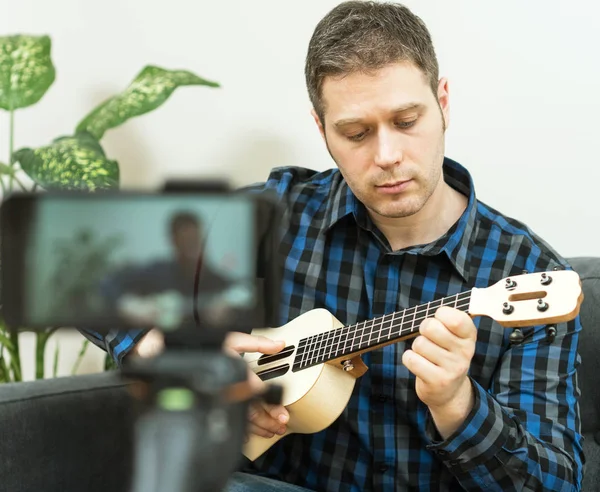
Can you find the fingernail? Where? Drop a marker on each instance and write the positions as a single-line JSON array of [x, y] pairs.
[[283, 418], [281, 431]]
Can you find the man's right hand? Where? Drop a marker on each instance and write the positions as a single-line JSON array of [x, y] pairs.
[[265, 420]]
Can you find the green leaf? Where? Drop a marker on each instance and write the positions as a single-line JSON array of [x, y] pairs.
[[6, 342], [6, 169], [70, 163], [152, 87], [26, 70], [56, 357], [82, 352]]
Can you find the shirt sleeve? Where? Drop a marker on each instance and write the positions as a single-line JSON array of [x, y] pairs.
[[117, 343], [523, 433]]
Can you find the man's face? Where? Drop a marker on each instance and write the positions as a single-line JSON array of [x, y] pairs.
[[385, 131], [186, 241]]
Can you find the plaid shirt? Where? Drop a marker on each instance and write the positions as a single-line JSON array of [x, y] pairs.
[[524, 430]]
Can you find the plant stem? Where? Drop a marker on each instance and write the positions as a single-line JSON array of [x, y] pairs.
[[11, 142], [15, 357], [40, 347], [84, 347], [23, 187], [4, 373], [56, 357], [40, 351]]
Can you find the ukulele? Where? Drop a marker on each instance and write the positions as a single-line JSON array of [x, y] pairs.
[[319, 365]]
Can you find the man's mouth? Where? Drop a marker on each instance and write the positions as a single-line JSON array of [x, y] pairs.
[[394, 187]]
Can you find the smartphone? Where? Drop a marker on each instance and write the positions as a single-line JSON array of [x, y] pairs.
[[125, 259]]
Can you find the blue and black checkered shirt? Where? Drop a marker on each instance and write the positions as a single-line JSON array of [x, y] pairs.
[[524, 430]]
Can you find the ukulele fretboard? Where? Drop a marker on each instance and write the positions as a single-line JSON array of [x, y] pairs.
[[361, 337]]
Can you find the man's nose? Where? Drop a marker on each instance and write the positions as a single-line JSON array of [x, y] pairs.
[[389, 148]]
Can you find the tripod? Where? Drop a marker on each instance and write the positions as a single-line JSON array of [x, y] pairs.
[[190, 433]]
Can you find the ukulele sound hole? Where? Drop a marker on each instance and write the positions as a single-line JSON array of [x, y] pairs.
[[266, 358], [275, 372]]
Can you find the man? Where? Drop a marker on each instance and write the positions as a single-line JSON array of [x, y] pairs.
[[396, 225], [161, 292]]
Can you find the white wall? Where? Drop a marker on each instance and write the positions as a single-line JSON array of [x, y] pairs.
[[524, 106]]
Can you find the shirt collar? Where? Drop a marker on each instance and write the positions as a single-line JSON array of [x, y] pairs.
[[456, 243]]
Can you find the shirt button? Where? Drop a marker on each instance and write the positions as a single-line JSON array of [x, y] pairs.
[[383, 398], [383, 467]]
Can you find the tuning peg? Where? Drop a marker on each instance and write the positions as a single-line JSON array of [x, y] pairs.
[[516, 336], [510, 284], [558, 267], [542, 306], [550, 333], [546, 279], [507, 308]]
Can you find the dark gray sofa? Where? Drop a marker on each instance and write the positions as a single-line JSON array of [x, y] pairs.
[[75, 434]]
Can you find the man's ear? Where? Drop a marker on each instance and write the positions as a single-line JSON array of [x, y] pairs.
[[444, 101], [318, 122]]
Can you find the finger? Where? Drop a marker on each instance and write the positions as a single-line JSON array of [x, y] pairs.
[[244, 342], [432, 352], [421, 367], [259, 416], [436, 331], [259, 431], [458, 322], [279, 413]]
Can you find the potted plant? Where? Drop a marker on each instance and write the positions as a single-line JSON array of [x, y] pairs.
[[69, 162]]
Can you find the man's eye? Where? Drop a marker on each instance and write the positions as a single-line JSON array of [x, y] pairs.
[[405, 124], [356, 137]]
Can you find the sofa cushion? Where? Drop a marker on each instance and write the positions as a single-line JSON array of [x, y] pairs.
[[589, 371], [589, 342], [69, 434]]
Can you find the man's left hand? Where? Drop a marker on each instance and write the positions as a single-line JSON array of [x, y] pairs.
[[440, 359]]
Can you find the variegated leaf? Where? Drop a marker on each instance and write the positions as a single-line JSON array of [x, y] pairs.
[[26, 70], [152, 87], [6, 169], [70, 163]]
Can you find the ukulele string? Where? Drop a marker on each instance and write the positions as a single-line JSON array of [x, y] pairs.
[[280, 355]]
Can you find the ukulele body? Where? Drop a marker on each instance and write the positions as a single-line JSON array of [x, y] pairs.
[[314, 397]]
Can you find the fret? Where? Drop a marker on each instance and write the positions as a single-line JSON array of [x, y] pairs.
[[366, 331], [327, 345], [402, 321], [363, 332], [311, 348], [353, 343], [385, 332], [300, 352], [336, 341], [371, 329], [316, 348], [322, 346], [412, 322], [306, 351]]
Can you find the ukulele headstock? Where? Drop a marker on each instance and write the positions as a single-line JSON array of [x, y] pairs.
[[530, 299]]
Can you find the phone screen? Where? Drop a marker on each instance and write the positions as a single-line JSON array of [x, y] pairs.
[[132, 260]]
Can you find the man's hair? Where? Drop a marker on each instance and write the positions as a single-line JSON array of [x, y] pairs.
[[182, 219], [363, 36]]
